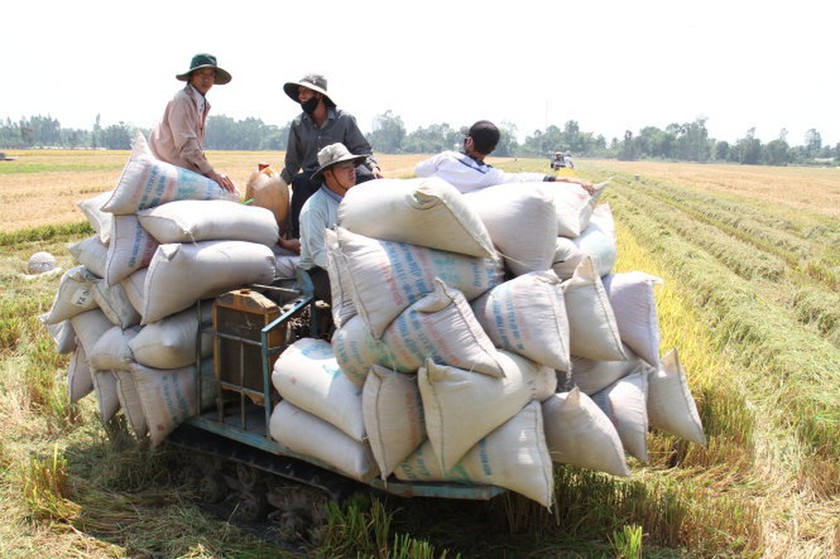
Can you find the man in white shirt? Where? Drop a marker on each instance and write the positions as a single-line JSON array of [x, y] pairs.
[[467, 170]]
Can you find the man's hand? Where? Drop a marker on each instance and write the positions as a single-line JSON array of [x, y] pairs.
[[222, 180], [588, 186], [377, 173]]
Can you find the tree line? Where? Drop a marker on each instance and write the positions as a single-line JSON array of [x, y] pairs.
[[688, 141]]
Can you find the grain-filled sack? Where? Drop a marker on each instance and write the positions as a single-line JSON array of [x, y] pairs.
[[393, 413], [307, 375], [130, 249], [92, 253], [170, 342], [513, 456], [266, 189], [427, 212], [386, 277], [168, 396], [462, 407], [440, 326], [341, 284], [112, 352], [130, 403], [135, 289], [633, 302], [114, 302], [79, 379], [99, 220], [625, 403], [107, 401], [597, 241], [181, 274], [522, 222], [671, 407], [527, 315], [191, 221], [593, 332], [579, 434], [574, 207], [593, 375], [62, 334], [75, 294], [89, 326], [147, 182], [305, 434]]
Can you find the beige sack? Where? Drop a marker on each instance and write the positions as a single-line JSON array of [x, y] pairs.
[[130, 403], [593, 375], [527, 315], [266, 189], [427, 212], [75, 294], [130, 249], [92, 253], [170, 343], [625, 403], [513, 456], [393, 413], [99, 220], [111, 352], [671, 407], [579, 434], [79, 375], [633, 302]]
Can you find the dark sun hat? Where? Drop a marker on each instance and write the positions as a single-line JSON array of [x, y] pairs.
[[334, 154], [205, 61], [315, 82]]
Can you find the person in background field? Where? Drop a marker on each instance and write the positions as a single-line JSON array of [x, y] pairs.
[[320, 124], [335, 176], [467, 170], [179, 138]]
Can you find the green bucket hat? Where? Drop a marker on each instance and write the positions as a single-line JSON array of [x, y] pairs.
[[332, 155], [315, 82], [205, 61]]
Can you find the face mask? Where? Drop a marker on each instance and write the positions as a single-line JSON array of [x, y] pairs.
[[310, 104]]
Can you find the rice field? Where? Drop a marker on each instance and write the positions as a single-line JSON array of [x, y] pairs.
[[750, 258]]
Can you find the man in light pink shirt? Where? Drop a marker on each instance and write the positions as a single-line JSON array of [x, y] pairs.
[[179, 137]]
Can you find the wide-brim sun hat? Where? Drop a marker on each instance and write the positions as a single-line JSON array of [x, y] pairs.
[[315, 82], [205, 60], [335, 154]]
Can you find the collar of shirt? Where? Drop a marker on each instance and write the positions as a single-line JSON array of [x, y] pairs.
[[202, 102], [331, 194]]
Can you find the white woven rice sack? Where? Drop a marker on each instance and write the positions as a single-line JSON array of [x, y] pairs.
[[135, 289], [574, 207], [593, 332], [92, 253], [305, 434], [633, 301], [147, 182], [440, 326], [73, 296], [89, 326], [306, 374], [168, 396], [427, 212], [579, 434], [567, 257], [386, 277], [170, 343], [181, 274], [62, 334], [592, 375], [115, 303], [521, 220], [527, 315], [341, 284], [107, 400], [99, 220], [513, 456], [190, 221], [393, 413], [130, 403], [671, 407], [625, 403], [111, 352], [462, 407], [597, 241], [79, 379], [130, 249]]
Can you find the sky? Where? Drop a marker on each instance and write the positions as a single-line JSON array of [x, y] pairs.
[[611, 65]]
